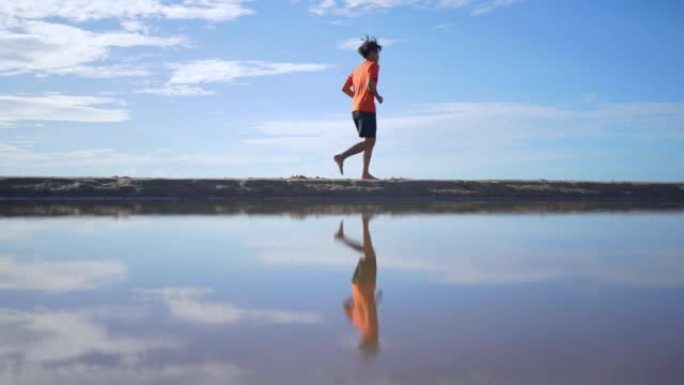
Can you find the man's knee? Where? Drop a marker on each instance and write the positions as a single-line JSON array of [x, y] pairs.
[[369, 142]]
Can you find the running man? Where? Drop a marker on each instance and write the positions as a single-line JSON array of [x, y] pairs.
[[361, 86], [361, 308]]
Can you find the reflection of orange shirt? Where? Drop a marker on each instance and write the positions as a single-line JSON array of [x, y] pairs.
[[363, 99], [363, 314]]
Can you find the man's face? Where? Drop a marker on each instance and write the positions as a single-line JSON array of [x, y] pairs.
[[374, 56]]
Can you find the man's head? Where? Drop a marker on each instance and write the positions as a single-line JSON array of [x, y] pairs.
[[370, 49]]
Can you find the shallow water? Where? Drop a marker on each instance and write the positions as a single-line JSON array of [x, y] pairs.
[[487, 296]]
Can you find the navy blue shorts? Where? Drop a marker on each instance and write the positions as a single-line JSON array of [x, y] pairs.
[[365, 123]]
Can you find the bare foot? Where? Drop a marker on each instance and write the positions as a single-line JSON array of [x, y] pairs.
[[340, 232], [340, 163], [369, 177]]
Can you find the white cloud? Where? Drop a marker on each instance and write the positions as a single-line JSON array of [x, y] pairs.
[[505, 254], [492, 140], [212, 10], [60, 276], [135, 26], [351, 7], [50, 336], [205, 373], [58, 107], [40, 347], [487, 7], [48, 48], [88, 10], [25, 230], [455, 3], [214, 70], [353, 44], [181, 90], [110, 162], [38, 36], [186, 304], [475, 139], [443, 26], [356, 7], [454, 125]]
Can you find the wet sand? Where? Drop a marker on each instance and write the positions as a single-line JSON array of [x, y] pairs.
[[124, 209], [304, 189]]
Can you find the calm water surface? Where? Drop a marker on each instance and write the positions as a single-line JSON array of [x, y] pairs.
[[349, 298]]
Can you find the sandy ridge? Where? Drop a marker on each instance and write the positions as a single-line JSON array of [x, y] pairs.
[[318, 189]]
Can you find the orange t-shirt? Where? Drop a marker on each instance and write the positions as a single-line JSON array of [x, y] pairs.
[[364, 314], [363, 99]]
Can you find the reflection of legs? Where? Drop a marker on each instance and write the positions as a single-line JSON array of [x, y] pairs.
[[367, 247], [361, 308], [339, 235], [368, 250]]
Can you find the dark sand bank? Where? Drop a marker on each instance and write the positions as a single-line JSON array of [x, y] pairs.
[[123, 209], [308, 190], [122, 197]]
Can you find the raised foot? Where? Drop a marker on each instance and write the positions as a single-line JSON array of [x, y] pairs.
[[340, 231], [340, 163]]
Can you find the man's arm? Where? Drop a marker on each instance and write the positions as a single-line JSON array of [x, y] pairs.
[[348, 87], [372, 86]]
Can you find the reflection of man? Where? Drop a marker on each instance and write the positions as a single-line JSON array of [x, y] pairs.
[[361, 307]]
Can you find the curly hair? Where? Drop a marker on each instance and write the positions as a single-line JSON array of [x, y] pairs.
[[370, 44]]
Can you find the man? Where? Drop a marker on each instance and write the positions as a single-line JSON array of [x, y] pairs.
[[361, 86], [361, 307]]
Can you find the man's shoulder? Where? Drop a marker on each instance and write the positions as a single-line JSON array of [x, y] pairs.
[[365, 67], [361, 66]]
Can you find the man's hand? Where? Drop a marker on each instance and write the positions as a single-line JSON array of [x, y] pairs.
[[372, 86], [348, 86], [348, 91]]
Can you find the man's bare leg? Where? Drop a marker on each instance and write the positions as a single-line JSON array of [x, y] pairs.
[[369, 251], [339, 235], [368, 153], [353, 150], [367, 246]]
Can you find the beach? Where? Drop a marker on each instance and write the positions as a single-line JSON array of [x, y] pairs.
[[303, 189]]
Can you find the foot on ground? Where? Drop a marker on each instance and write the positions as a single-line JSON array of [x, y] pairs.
[[369, 177]]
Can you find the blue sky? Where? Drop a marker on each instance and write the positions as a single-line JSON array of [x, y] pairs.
[[474, 89]]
